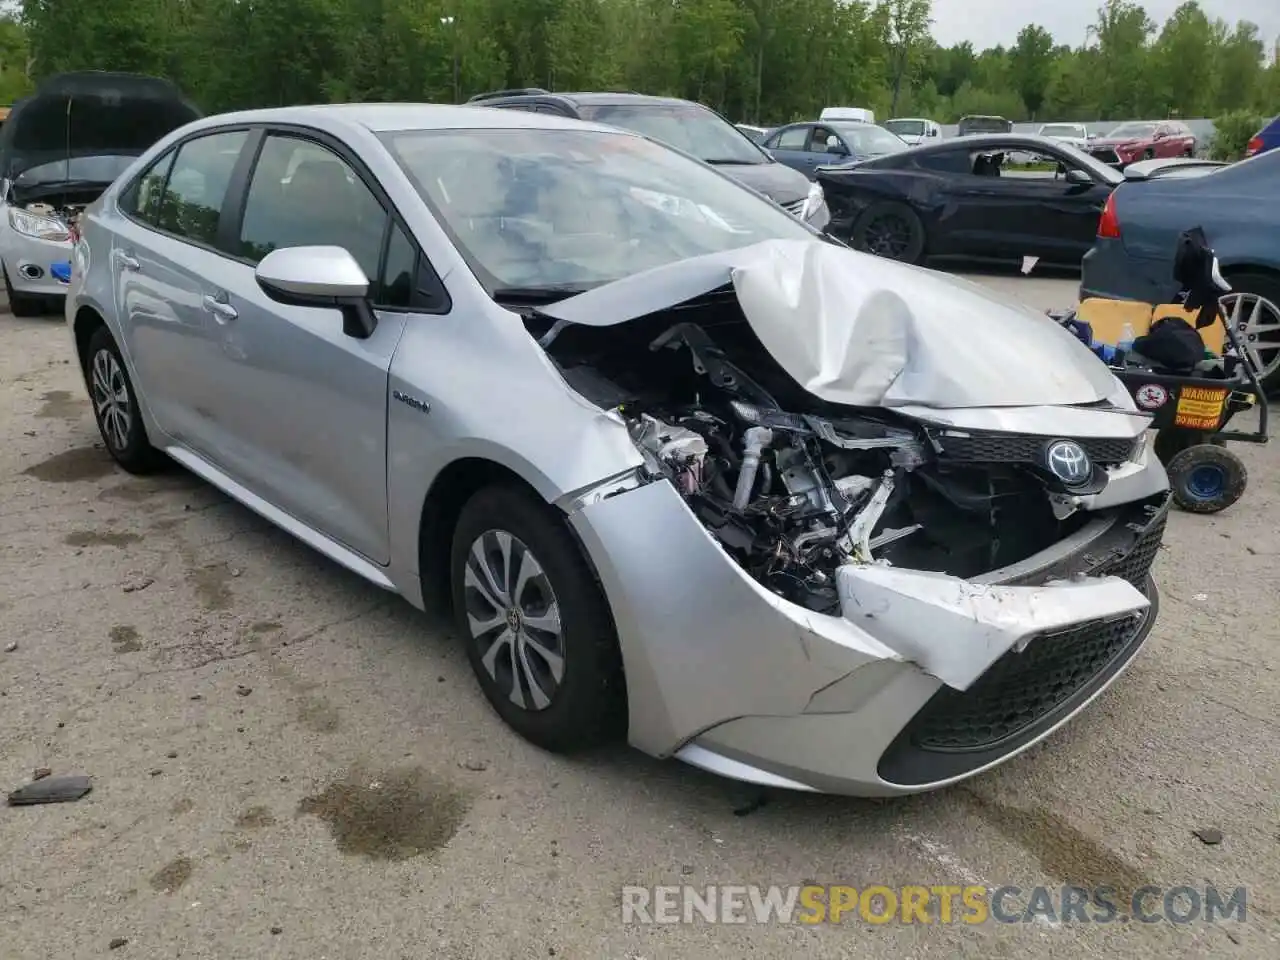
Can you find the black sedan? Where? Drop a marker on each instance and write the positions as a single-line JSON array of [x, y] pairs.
[[996, 197]]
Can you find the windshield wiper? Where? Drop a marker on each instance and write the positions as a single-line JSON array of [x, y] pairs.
[[721, 161], [548, 293]]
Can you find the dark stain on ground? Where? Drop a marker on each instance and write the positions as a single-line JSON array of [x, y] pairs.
[[61, 405], [124, 639], [167, 524], [172, 876], [99, 538], [389, 817], [1063, 852], [242, 846], [185, 805], [265, 626], [255, 818], [318, 714], [73, 466], [212, 585]]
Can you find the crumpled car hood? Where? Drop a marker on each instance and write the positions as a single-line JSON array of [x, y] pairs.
[[864, 331]]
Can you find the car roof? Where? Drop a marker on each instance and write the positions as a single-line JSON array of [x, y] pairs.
[[983, 141], [390, 117]]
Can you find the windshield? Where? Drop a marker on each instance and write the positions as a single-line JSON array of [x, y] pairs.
[[78, 169], [1131, 131], [868, 139], [571, 209], [906, 128], [1061, 130], [686, 126]]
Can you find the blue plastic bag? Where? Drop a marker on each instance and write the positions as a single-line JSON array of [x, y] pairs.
[[61, 271]]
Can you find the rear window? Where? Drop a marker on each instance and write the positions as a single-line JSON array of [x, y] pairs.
[[686, 126], [985, 125]]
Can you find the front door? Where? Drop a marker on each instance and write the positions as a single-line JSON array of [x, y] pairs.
[[162, 255], [311, 400], [790, 146]]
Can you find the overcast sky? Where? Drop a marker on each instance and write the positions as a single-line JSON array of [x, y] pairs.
[[985, 23]]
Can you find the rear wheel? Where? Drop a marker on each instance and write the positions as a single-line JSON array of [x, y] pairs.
[[1253, 310], [538, 630], [21, 305], [115, 406], [890, 230]]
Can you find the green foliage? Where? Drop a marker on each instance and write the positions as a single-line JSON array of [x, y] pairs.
[[1232, 133], [766, 61]]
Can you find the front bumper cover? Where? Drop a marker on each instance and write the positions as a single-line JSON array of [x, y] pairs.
[[730, 677]]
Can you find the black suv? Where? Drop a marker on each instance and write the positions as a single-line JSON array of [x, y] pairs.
[[691, 127]]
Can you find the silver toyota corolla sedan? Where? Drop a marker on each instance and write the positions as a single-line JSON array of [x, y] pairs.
[[684, 470]]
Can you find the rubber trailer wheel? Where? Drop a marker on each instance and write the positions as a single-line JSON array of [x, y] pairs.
[[1207, 478], [890, 230]]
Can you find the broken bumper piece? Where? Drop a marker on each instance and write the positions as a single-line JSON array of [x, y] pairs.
[[924, 680]]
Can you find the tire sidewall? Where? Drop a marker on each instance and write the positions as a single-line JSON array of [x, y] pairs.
[[589, 704], [915, 249]]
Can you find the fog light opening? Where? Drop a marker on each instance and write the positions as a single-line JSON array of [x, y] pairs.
[[30, 271]]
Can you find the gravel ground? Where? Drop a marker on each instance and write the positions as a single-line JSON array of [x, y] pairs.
[[289, 763]]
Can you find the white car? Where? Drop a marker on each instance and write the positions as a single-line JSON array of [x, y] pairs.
[[914, 130], [1076, 134], [59, 150]]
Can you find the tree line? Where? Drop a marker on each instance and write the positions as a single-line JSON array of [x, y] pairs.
[[765, 61]]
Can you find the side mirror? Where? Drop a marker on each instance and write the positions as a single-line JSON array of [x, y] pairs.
[[320, 277], [933, 132], [1079, 177]]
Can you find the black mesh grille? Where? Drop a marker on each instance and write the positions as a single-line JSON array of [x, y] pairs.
[[1020, 688], [1022, 448]]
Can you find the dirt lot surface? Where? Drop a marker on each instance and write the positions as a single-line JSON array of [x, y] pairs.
[[289, 763]]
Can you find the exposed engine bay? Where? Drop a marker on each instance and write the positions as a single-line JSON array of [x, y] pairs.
[[792, 486]]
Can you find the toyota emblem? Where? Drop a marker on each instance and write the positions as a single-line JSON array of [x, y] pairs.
[[1068, 462]]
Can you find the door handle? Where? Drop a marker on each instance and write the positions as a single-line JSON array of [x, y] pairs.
[[127, 261], [220, 308]]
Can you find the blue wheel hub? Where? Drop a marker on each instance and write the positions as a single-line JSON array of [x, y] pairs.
[[1208, 481]]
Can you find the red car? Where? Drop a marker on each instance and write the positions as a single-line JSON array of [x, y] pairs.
[[1143, 140]]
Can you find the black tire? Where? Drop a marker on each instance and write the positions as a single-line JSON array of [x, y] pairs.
[[891, 230], [1267, 286], [105, 373], [21, 305], [1207, 478], [586, 706]]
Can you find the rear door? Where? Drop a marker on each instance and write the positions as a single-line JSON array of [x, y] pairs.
[[311, 400], [163, 253], [790, 146]]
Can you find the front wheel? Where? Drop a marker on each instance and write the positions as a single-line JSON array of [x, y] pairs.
[[538, 630], [1253, 309], [1207, 478], [890, 230]]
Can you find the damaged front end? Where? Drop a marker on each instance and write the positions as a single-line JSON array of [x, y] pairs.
[[993, 580]]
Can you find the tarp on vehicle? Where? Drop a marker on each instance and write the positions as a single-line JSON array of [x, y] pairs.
[[90, 113]]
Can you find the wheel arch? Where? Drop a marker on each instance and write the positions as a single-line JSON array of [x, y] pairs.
[[452, 487], [86, 323]]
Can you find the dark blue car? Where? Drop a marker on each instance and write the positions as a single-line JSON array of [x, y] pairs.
[[807, 146], [1268, 138], [1237, 205]]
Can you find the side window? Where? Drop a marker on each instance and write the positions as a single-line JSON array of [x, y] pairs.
[[946, 161], [547, 108], [793, 138], [527, 108], [302, 194], [192, 200], [1031, 165], [399, 272], [142, 199]]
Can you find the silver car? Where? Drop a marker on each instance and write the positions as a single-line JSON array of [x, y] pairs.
[[684, 470]]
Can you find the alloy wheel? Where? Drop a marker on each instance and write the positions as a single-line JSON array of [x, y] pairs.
[[1257, 322], [111, 402], [887, 236], [514, 619]]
